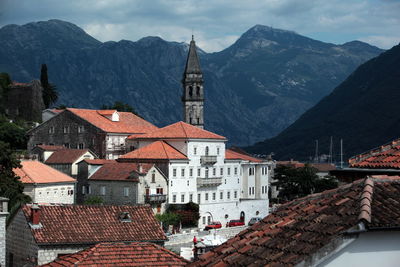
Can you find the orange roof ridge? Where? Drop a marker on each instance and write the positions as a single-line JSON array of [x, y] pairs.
[[366, 200], [156, 150]]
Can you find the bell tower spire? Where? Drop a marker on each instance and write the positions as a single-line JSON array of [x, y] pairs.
[[193, 92]]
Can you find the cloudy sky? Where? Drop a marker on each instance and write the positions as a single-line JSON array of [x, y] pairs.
[[216, 24]]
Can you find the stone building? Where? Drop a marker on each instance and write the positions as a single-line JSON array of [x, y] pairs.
[[25, 101], [101, 131], [43, 152], [193, 91], [121, 183], [3, 217], [38, 234], [66, 160], [45, 184]]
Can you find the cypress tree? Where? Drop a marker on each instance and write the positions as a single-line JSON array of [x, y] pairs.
[[50, 94]]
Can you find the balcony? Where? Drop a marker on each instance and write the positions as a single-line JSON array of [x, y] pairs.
[[208, 160], [155, 199], [209, 182]]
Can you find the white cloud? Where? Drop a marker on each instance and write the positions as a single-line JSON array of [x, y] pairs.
[[382, 41]]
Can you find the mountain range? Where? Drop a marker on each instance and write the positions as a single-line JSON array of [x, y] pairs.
[[363, 111], [254, 89]]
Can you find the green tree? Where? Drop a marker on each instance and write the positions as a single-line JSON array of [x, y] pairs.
[[50, 94], [94, 200], [168, 218], [121, 106], [5, 81], [10, 185], [298, 182], [13, 134]]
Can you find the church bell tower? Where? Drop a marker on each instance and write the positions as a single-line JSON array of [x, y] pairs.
[[193, 92]]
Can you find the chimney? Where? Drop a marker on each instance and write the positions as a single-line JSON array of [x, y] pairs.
[[140, 168], [35, 214]]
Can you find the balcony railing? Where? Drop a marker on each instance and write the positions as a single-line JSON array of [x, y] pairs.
[[151, 199], [208, 182], [208, 160]]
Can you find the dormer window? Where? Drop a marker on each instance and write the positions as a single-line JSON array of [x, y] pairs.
[[112, 115], [125, 217], [81, 129]]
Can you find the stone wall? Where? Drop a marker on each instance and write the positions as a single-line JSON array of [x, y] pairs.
[[49, 254], [3, 239], [21, 245], [114, 192], [92, 137], [25, 101]]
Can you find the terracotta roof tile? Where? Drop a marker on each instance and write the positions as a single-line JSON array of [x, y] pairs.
[[76, 224], [128, 122], [297, 229], [120, 171], [230, 154], [39, 173], [66, 156], [50, 147], [98, 161], [179, 130], [384, 157], [157, 150], [121, 254]]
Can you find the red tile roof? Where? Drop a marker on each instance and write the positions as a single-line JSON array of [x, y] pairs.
[[120, 171], [98, 161], [384, 157], [35, 172], [128, 122], [121, 254], [66, 156], [230, 154], [159, 150], [298, 229], [50, 147], [179, 130], [75, 224]]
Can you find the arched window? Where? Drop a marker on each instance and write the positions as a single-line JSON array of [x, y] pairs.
[[207, 150], [190, 90], [198, 90], [190, 120]]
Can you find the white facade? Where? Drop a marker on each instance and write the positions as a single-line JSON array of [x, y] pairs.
[[63, 193], [224, 189], [115, 145], [369, 249]]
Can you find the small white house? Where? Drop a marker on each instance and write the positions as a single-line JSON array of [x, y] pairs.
[[45, 184]]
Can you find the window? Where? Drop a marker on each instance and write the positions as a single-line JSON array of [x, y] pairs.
[[126, 191], [66, 145], [198, 90], [206, 174], [253, 190], [235, 170], [174, 172], [174, 198], [249, 190], [221, 195], [198, 172], [214, 171], [190, 197], [195, 150], [238, 181], [207, 150], [229, 171], [183, 198], [228, 195], [83, 189], [235, 194], [251, 171], [217, 150], [214, 196], [206, 198], [159, 191], [191, 172], [51, 130], [153, 177], [81, 146], [204, 219], [81, 129], [188, 183], [66, 129], [102, 190], [221, 171], [198, 198], [171, 184], [183, 172], [190, 90]]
